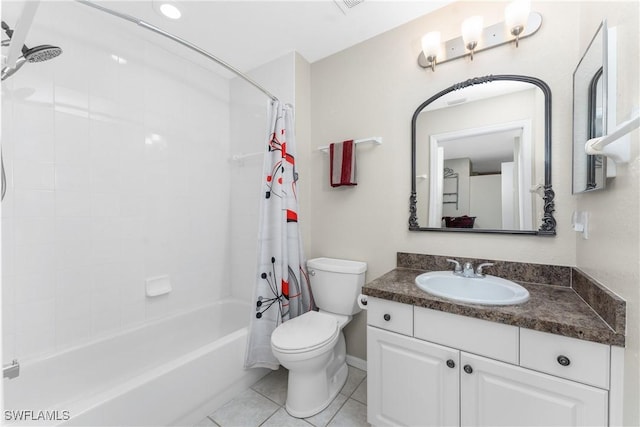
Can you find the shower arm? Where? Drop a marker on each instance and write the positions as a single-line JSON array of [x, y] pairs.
[[181, 41]]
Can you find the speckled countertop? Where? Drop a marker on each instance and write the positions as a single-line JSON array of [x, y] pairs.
[[555, 309]]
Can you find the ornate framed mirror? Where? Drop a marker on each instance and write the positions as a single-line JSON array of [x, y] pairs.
[[481, 158]]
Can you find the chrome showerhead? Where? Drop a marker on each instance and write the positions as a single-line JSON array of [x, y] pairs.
[[41, 53]]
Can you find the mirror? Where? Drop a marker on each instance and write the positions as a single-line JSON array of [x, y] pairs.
[[590, 113], [481, 158]]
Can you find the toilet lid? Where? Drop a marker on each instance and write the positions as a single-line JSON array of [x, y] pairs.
[[305, 332]]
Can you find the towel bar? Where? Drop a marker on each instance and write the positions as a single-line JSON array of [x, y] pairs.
[[618, 154], [377, 140]]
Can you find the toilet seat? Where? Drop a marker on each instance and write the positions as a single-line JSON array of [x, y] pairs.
[[305, 333]]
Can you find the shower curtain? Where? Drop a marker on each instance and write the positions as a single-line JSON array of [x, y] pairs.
[[282, 284]]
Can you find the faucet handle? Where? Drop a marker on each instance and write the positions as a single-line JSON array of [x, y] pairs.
[[481, 266], [457, 268]]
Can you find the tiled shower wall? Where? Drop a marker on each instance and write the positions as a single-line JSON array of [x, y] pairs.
[[116, 155]]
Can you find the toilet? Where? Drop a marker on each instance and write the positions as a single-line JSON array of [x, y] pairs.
[[312, 346]]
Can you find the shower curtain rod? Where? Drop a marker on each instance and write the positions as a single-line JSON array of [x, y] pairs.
[[181, 41]]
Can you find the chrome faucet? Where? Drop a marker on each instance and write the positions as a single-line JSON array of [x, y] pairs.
[[467, 270]]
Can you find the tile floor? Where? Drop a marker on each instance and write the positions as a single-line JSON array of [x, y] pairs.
[[263, 405]]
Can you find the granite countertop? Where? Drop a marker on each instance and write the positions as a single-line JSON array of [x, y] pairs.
[[554, 309]]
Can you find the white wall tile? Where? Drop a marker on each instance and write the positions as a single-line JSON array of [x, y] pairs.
[[33, 132], [38, 258], [34, 203], [34, 316], [72, 228], [105, 204], [34, 230], [73, 176], [31, 175], [117, 172], [34, 287], [71, 138], [73, 320], [105, 312], [35, 343], [73, 204], [72, 254], [73, 282]]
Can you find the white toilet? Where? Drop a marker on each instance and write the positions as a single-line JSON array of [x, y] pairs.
[[311, 346]]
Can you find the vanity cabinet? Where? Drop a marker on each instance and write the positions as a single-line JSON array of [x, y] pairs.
[[411, 382], [494, 393], [451, 370]]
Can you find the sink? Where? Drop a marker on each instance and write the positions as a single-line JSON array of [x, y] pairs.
[[488, 290]]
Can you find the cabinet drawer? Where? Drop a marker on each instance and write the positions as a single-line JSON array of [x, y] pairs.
[[491, 339], [571, 358], [390, 315]]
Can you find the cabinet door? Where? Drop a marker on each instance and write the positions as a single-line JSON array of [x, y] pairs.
[[499, 394], [409, 382]]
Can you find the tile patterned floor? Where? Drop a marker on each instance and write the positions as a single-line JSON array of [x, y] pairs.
[[263, 405]]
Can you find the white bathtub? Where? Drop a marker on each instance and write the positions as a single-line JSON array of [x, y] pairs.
[[171, 372]]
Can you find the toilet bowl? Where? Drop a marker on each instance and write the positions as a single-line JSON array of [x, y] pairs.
[[312, 346]]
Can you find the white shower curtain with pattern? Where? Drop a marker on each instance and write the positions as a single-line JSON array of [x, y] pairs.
[[282, 284]]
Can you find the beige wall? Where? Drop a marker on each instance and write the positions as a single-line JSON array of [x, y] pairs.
[[373, 88], [303, 141], [612, 252]]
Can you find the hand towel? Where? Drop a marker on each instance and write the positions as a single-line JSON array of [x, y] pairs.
[[342, 163]]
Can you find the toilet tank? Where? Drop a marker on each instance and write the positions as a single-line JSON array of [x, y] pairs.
[[336, 284]]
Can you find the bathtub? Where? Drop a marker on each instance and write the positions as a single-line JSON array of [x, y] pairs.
[[174, 371]]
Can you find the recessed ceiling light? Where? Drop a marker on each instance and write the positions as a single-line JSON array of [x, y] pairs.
[[167, 9]]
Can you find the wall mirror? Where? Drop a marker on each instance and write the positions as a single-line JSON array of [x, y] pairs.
[[481, 158], [590, 113]]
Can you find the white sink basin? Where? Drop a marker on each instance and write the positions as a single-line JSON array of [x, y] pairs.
[[489, 290]]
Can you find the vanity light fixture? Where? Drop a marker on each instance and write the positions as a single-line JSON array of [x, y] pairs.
[[471, 32], [431, 47], [519, 23]]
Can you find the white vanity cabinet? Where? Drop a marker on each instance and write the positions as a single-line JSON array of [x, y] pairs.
[[411, 382], [453, 370], [494, 393]]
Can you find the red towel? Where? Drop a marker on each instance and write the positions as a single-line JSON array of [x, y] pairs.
[[342, 163]]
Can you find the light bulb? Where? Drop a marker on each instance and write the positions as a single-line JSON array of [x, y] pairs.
[[471, 32], [431, 47], [516, 16]]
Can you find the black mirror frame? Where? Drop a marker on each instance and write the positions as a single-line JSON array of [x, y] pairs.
[[548, 226]]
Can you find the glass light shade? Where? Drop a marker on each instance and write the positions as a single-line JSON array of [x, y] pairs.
[[516, 14], [472, 30], [431, 44]]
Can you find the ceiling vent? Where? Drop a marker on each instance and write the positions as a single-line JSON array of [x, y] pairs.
[[346, 5]]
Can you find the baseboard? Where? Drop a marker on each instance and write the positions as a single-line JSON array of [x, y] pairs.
[[356, 362]]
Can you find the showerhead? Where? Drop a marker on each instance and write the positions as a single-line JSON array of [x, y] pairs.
[[41, 53]]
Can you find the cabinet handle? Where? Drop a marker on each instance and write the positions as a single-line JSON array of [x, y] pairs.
[[468, 369], [387, 317], [451, 363], [564, 360]]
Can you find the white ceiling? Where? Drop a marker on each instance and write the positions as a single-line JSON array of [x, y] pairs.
[[247, 34]]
